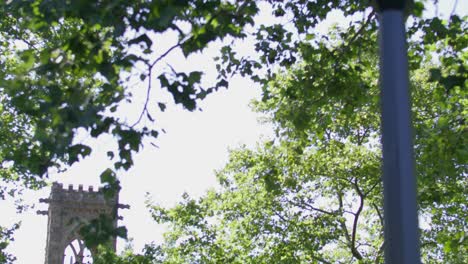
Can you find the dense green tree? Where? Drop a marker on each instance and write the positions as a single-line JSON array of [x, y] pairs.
[[311, 195], [67, 66], [314, 193]]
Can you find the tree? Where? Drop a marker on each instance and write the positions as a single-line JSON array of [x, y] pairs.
[[6, 237], [313, 195], [68, 66], [289, 201]]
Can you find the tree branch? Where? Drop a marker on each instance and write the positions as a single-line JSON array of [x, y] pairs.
[[189, 36], [162, 56], [178, 44], [454, 8], [379, 253], [362, 136], [372, 188], [150, 70], [280, 216], [148, 93], [321, 259], [378, 213], [341, 221], [354, 250], [307, 206], [356, 35]]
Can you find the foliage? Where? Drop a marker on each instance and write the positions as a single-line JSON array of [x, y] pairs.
[[98, 231], [279, 206], [106, 256], [313, 194], [66, 67], [6, 237]]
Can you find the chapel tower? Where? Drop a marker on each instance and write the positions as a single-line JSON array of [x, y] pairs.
[[69, 210]]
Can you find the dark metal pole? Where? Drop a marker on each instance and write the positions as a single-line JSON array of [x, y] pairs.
[[400, 210]]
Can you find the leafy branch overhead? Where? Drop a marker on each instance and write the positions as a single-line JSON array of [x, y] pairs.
[[313, 193], [67, 67], [63, 65]]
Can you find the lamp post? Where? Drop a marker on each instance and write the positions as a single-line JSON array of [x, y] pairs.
[[400, 210]]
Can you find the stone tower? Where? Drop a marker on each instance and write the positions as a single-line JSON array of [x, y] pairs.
[[70, 209]]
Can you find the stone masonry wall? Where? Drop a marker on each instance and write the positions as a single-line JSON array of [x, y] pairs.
[[69, 209]]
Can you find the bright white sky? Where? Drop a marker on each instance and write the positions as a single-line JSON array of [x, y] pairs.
[[195, 145]]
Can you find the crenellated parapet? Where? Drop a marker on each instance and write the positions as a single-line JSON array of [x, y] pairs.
[[79, 197]]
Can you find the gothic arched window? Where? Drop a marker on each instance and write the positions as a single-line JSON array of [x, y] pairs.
[[77, 253]]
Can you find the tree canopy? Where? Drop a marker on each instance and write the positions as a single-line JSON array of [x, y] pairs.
[[67, 66], [313, 193]]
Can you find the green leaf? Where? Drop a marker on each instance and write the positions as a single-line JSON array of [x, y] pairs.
[[142, 38], [162, 106], [435, 75]]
